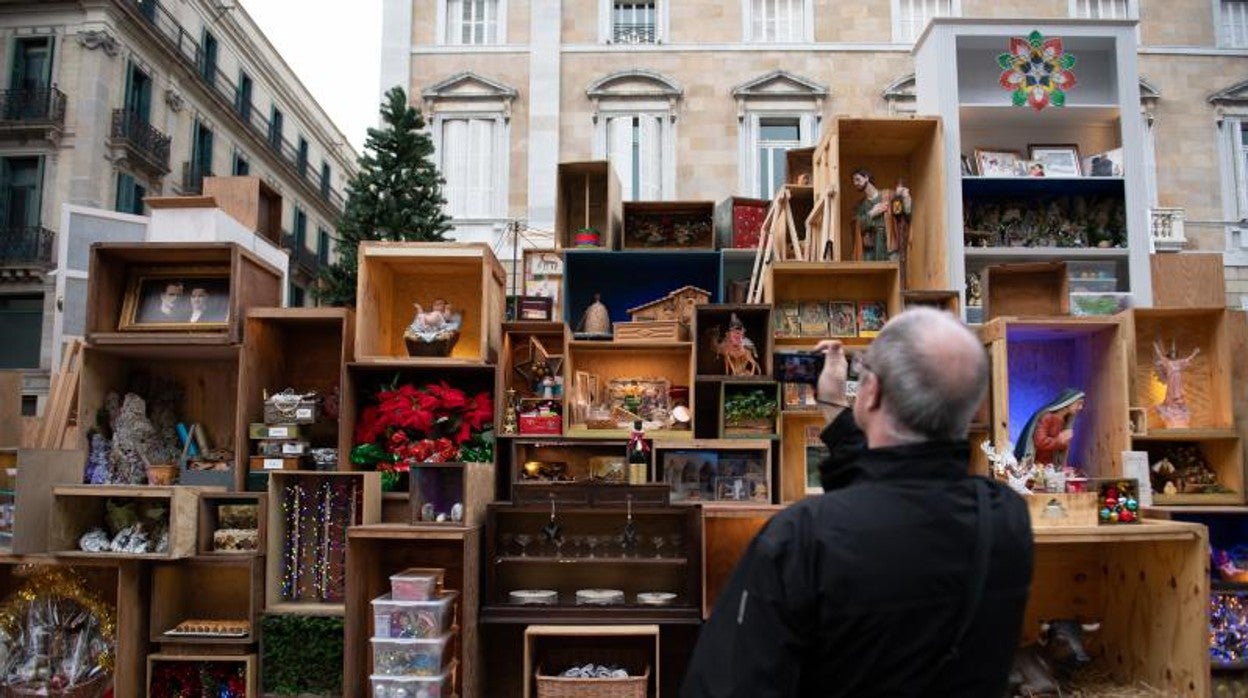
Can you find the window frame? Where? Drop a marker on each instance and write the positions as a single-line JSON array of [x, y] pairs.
[[1220, 34], [298, 232], [807, 30], [243, 92], [277, 124], [1133, 9], [443, 31], [809, 121], [135, 196], [322, 245], [501, 167], [899, 35], [606, 23]]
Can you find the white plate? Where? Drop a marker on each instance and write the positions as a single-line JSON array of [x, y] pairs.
[[655, 598]]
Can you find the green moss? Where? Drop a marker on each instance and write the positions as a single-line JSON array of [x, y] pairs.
[[301, 654]]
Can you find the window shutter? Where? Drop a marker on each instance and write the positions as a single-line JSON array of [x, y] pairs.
[[651, 158], [808, 129], [482, 133], [620, 153], [454, 21], [1235, 23], [453, 164]]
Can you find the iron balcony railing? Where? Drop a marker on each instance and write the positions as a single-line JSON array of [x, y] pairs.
[[193, 178], [37, 106], [300, 255], [633, 33], [26, 246], [188, 49], [131, 128]]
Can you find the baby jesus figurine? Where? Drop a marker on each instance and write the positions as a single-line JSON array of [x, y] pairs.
[[433, 333]]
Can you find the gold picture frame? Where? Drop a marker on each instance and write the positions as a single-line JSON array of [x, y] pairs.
[[181, 299]]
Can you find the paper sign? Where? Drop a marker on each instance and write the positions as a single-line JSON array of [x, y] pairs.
[[274, 463], [278, 432], [1135, 465]]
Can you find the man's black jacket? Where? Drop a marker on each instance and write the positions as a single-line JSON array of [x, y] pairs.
[[860, 591]]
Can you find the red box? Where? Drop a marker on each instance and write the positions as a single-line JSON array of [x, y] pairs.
[[747, 222], [544, 417]]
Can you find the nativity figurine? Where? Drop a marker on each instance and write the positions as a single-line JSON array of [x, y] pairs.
[[435, 332], [737, 351], [1046, 438], [881, 219], [1169, 368]]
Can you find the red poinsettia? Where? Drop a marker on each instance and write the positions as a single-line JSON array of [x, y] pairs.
[[435, 423]]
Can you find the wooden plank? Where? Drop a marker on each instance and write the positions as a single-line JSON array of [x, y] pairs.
[[37, 472], [1237, 339], [1188, 280], [133, 590], [10, 409]]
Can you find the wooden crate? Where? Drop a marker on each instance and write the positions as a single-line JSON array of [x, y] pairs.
[[1032, 289], [250, 667], [1148, 586], [713, 318], [799, 166], [587, 195], [122, 584], [208, 376], [209, 516], [250, 201], [376, 552], [1062, 510], [739, 222], [442, 485], [726, 532], [253, 283], [577, 458], [538, 639], [362, 380], [395, 275], [78, 508], [729, 388], [909, 148], [1206, 381], [794, 282], [632, 278], [301, 348], [667, 215], [1034, 360], [672, 466], [1221, 448], [368, 513], [799, 431], [948, 301], [219, 588], [672, 361], [1188, 280], [38, 471]]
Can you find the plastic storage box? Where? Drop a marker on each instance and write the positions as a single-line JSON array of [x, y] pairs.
[[1092, 276], [411, 657], [439, 686], [416, 584], [413, 619]]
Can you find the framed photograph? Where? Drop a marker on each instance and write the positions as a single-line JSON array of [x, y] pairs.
[[543, 277], [1107, 164], [181, 299], [996, 163], [968, 166], [691, 474], [841, 319], [1057, 160]]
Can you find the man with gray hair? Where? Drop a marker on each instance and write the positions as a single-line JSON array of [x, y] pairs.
[[908, 576]]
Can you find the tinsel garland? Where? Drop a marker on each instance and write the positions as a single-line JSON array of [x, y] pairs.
[[187, 679], [48, 582], [1228, 628]]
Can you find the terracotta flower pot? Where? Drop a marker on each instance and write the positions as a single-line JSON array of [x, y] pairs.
[[164, 474]]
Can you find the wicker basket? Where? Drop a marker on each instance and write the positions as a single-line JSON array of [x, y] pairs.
[[289, 407], [556, 686]]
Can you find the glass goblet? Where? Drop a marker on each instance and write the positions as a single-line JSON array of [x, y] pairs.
[[505, 543], [657, 542], [524, 540], [592, 542]]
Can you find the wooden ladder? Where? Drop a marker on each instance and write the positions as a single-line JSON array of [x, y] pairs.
[[62, 398]]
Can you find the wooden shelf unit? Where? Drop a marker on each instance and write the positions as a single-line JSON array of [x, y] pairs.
[[206, 588], [727, 531], [306, 349], [1030, 289], [517, 349], [588, 195], [788, 282], [395, 275], [716, 316], [893, 149], [378, 551], [1206, 382], [1033, 360], [253, 283], [79, 508], [574, 454], [673, 361], [209, 503]]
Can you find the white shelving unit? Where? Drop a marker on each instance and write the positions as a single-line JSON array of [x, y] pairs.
[[1102, 113]]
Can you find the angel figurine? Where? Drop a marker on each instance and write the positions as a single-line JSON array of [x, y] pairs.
[[1169, 368]]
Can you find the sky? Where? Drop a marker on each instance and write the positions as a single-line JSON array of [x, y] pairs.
[[335, 49]]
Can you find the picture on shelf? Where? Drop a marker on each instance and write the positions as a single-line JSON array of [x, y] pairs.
[[799, 396], [1107, 164], [816, 452], [871, 318], [1057, 160], [691, 474], [814, 319], [787, 319], [841, 319], [997, 163], [195, 298], [968, 166], [535, 308]]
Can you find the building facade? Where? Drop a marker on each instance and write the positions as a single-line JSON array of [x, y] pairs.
[[698, 100], [107, 102]]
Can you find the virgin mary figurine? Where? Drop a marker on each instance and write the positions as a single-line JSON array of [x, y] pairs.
[[1047, 435]]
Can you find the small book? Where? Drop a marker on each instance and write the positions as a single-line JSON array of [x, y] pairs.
[[871, 318], [842, 319], [814, 319], [799, 396], [785, 319]]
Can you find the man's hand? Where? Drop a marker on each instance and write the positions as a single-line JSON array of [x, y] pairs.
[[834, 378]]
